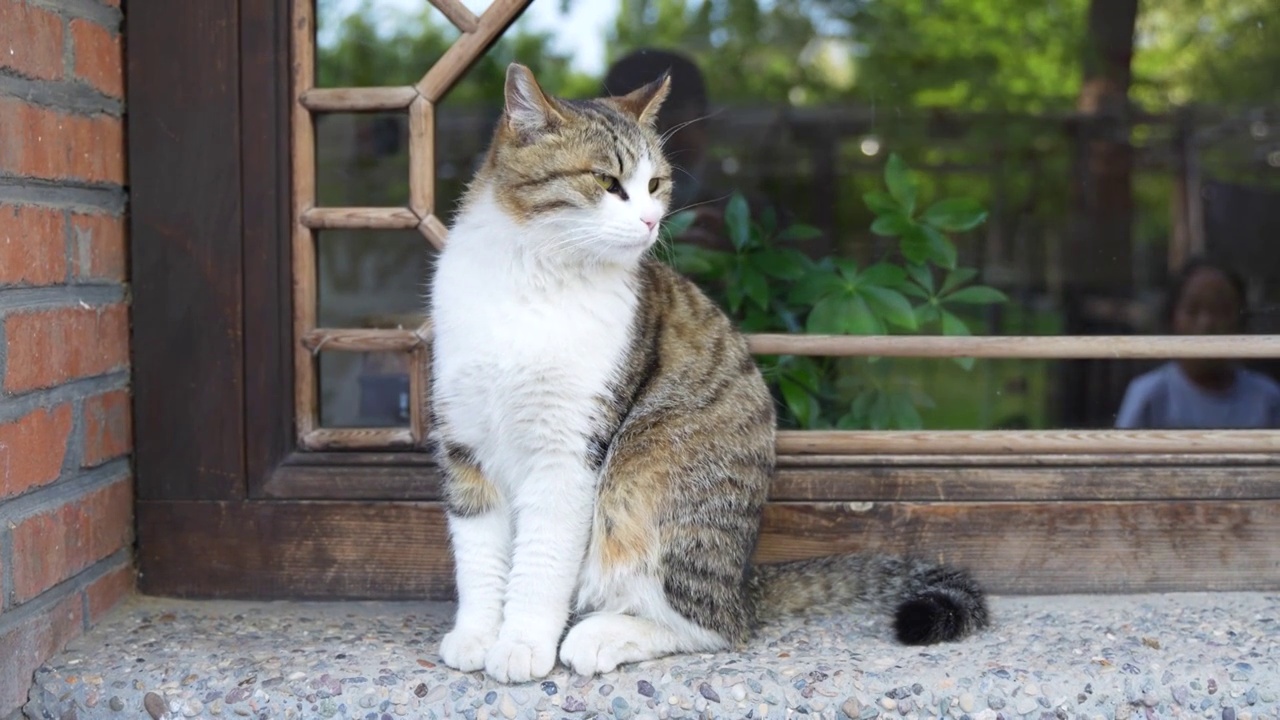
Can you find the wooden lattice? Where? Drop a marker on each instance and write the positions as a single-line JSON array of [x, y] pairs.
[[419, 102]]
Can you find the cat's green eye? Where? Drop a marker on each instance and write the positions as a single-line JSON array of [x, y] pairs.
[[653, 185], [609, 183]]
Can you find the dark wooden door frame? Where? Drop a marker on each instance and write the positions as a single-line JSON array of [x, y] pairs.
[[225, 501], [228, 507]]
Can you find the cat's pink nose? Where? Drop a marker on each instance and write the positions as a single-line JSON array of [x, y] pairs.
[[649, 223]]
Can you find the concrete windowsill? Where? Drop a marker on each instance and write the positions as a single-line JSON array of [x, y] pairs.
[[1143, 656]]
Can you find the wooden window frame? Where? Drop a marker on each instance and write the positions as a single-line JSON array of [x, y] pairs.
[[238, 497]]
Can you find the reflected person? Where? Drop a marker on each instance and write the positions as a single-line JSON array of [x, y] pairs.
[[683, 122], [1206, 299], [681, 119]]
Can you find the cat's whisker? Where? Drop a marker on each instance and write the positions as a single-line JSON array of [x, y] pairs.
[[662, 139], [686, 172], [697, 204]]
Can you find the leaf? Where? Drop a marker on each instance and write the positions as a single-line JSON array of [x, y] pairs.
[[859, 319], [922, 275], [676, 224], [734, 293], [903, 414], [954, 326], [848, 270], [955, 214], [756, 319], [884, 275], [915, 245], [860, 408], [849, 421], [826, 318], [913, 289], [941, 250], [878, 413], [755, 285], [881, 202], [805, 371], [768, 220], [976, 295], [738, 221], [956, 278], [802, 404], [891, 224], [813, 286], [925, 314], [695, 260], [843, 314], [689, 264], [799, 231], [901, 185], [785, 264], [890, 305]]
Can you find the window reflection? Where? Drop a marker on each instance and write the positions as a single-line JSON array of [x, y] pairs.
[[1207, 298], [1110, 142]]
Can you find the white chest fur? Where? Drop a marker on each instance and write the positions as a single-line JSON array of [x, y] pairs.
[[523, 349]]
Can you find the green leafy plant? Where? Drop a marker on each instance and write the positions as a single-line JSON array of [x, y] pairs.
[[768, 285]]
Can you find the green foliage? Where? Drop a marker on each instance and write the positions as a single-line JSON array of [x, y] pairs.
[[768, 285], [1207, 52]]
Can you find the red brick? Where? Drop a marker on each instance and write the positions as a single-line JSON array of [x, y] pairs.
[[98, 57], [32, 449], [43, 143], [99, 249], [108, 430], [33, 247], [26, 646], [30, 40], [107, 591], [50, 347], [53, 546]]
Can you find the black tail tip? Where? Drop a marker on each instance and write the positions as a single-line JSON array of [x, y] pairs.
[[936, 616]]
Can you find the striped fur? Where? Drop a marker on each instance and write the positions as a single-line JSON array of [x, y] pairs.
[[608, 440]]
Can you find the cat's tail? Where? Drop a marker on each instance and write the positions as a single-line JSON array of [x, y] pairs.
[[930, 603]]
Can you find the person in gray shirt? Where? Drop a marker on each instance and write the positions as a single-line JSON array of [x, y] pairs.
[[1205, 393]]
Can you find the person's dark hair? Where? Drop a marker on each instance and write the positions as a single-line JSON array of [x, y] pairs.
[[688, 90], [1189, 269]]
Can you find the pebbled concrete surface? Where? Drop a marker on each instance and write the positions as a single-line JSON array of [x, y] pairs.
[[1204, 655]]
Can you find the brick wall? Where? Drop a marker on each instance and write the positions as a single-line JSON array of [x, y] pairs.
[[66, 491]]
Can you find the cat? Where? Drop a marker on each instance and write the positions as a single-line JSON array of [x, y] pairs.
[[606, 438]]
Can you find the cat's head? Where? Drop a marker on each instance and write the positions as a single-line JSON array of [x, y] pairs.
[[587, 178]]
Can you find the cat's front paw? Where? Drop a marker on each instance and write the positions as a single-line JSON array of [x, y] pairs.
[[520, 660], [464, 649]]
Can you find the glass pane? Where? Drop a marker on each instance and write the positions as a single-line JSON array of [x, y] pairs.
[[373, 278], [1044, 190], [374, 43], [997, 394], [364, 389], [362, 160]]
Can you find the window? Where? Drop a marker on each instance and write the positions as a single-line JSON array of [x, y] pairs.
[[280, 345], [1089, 210]]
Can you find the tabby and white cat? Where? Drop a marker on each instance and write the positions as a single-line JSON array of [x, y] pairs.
[[607, 438]]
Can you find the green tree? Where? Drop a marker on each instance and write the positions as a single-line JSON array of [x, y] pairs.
[[1211, 52], [361, 51]]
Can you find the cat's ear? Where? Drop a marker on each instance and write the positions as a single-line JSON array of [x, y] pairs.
[[643, 103], [528, 109]]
